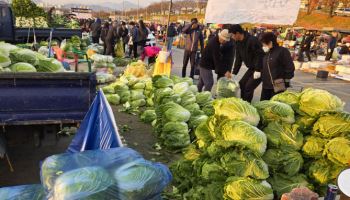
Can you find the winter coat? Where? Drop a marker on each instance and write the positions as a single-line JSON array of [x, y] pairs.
[[332, 43], [281, 65], [306, 42], [171, 31], [193, 38], [96, 29], [250, 52]]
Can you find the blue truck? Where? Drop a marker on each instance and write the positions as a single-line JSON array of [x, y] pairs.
[[45, 99]]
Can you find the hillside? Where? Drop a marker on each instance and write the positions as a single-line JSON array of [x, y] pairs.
[[320, 20]]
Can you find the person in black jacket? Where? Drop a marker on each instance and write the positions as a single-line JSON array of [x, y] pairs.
[[248, 50], [111, 38], [277, 64], [123, 33], [96, 31], [171, 33], [214, 58], [104, 32], [332, 43], [305, 46]]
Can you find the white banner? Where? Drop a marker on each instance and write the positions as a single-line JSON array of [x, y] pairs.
[[282, 12]]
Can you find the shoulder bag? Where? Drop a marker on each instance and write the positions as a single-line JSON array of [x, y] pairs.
[[278, 85]]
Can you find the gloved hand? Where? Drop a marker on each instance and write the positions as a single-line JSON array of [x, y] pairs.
[[287, 82], [257, 75]]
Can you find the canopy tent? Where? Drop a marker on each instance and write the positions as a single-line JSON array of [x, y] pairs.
[[281, 12]]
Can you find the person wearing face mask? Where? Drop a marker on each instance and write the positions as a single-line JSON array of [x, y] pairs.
[[248, 50], [214, 57], [278, 67]]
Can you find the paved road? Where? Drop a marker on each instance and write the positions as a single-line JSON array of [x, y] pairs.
[[301, 80]]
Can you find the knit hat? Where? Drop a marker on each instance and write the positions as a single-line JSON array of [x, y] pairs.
[[225, 35]]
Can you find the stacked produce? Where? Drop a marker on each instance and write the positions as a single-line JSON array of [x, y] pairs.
[[305, 143], [117, 173], [14, 59], [102, 61], [227, 161], [37, 22]]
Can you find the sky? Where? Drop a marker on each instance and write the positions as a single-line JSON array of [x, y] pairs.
[[142, 2]]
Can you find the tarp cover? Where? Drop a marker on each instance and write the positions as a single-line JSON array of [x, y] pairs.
[[98, 129], [283, 12]]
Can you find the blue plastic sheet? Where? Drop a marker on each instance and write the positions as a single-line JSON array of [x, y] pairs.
[[118, 173], [98, 129], [23, 192]]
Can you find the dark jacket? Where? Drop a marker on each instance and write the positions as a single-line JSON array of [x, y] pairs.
[[96, 29], [217, 57], [281, 66], [124, 34], [104, 33], [140, 34], [332, 43], [112, 35], [171, 32], [306, 42], [250, 52], [344, 50], [193, 38]]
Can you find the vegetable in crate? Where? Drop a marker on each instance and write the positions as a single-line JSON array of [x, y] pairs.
[[332, 125], [246, 188], [314, 101], [272, 111], [22, 67], [236, 109], [4, 61], [284, 160], [23, 55], [281, 135], [50, 65], [226, 88], [6, 48]]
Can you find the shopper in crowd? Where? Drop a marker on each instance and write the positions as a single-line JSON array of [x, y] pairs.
[[141, 34], [194, 37], [248, 50], [278, 67], [123, 33], [332, 43], [132, 29], [96, 31], [305, 46], [111, 39], [344, 50], [171, 33], [214, 58], [104, 32]]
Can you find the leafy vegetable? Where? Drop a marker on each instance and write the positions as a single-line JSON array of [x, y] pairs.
[[314, 146], [244, 164], [23, 55], [138, 103], [226, 88], [288, 97], [246, 188], [136, 95], [175, 135], [114, 99], [22, 67], [34, 192], [332, 125], [188, 98], [6, 48], [315, 101], [239, 133], [162, 82], [282, 135], [236, 109], [272, 111], [203, 97], [305, 123], [196, 120], [181, 88], [4, 61], [337, 150], [284, 161], [148, 116], [109, 89], [282, 183], [324, 172], [85, 183], [176, 113]]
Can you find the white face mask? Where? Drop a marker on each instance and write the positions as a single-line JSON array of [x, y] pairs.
[[266, 49]]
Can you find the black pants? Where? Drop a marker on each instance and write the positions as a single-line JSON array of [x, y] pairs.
[[267, 94], [131, 49], [134, 46], [248, 84], [96, 40], [104, 48], [301, 55], [110, 49], [189, 56], [329, 54], [206, 79]]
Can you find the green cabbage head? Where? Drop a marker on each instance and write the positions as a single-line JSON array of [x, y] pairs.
[[246, 188]]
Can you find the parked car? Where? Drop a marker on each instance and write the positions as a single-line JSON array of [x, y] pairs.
[[343, 12]]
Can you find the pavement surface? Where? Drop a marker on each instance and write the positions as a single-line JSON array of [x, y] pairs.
[[26, 158]]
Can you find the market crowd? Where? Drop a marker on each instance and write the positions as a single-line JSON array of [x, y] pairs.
[[223, 50]]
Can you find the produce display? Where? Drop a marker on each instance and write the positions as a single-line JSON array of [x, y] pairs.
[[265, 150], [14, 59]]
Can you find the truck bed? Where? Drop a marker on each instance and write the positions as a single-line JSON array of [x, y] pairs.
[[45, 98], [44, 33]]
